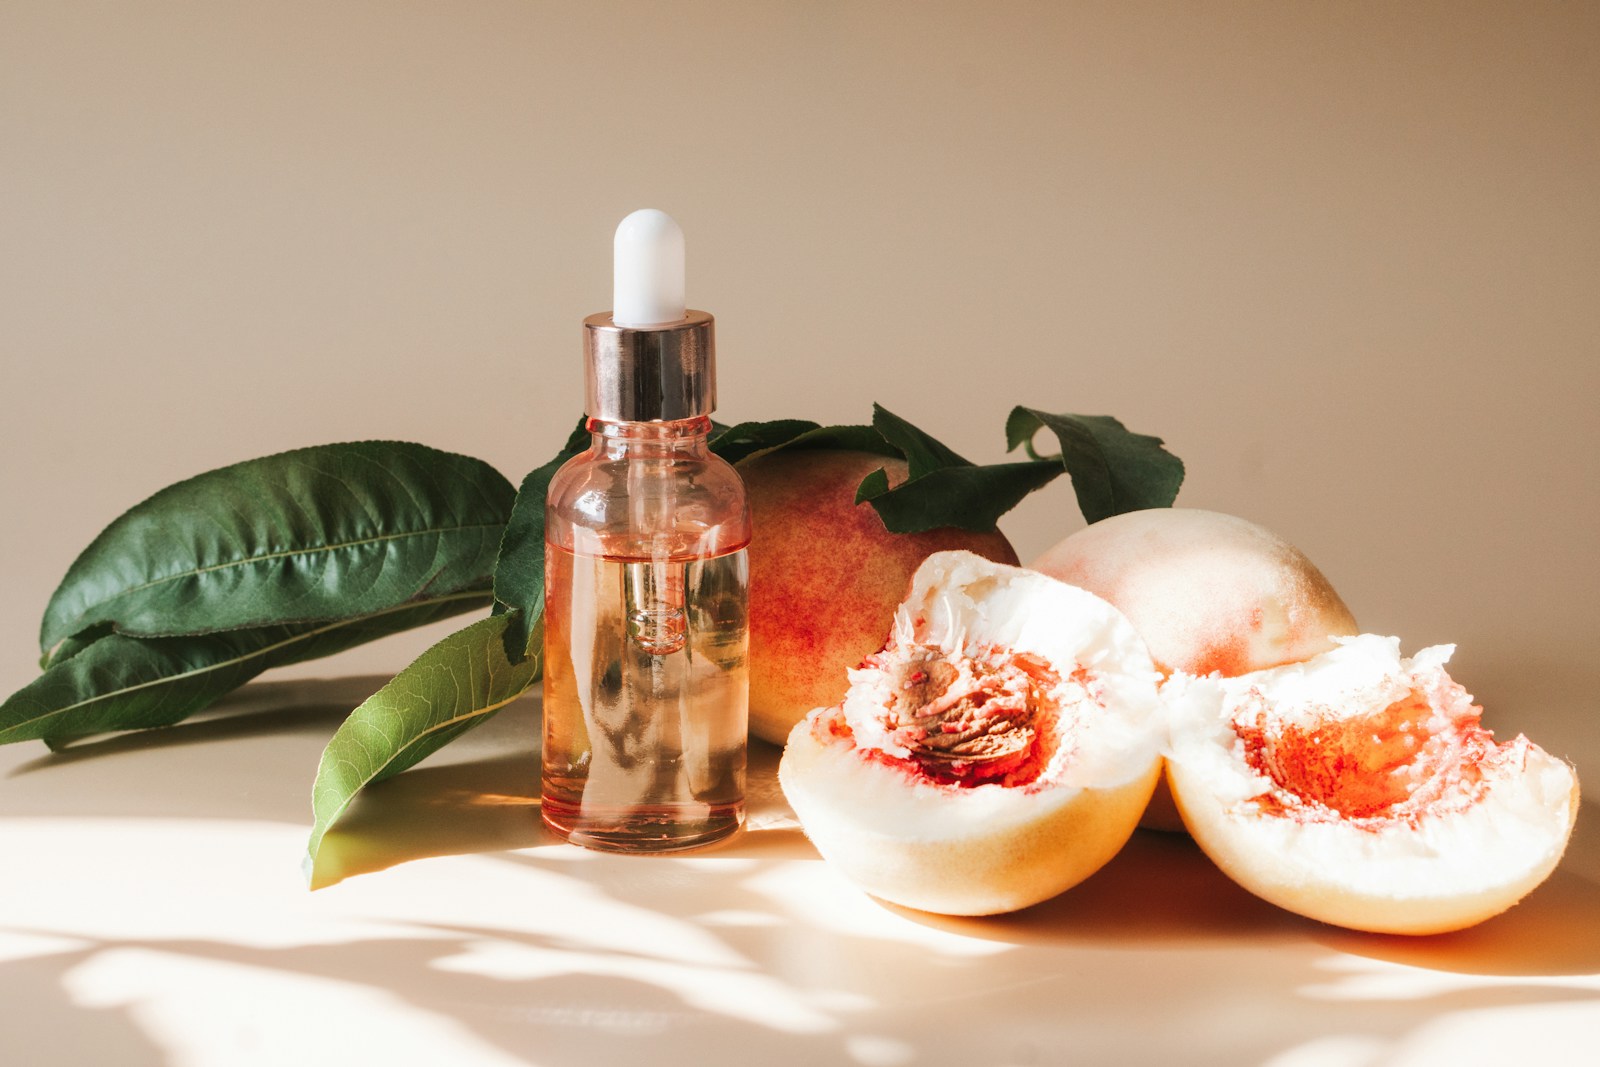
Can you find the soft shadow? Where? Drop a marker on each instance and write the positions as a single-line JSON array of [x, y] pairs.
[[573, 1018], [56, 1027], [488, 805], [1160, 887], [261, 709], [1554, 931], [771, 831]]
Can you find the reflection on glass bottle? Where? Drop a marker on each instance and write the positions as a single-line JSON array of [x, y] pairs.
[[644, 724]]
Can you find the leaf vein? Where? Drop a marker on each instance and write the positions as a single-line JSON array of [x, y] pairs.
[[303, 551]]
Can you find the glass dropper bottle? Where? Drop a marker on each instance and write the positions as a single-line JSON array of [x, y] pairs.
[[646, 675]]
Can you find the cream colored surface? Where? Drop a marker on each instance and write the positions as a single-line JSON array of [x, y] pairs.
[[1343, 257], [154, 914]]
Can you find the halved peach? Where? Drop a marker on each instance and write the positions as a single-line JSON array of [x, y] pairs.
[[998, 750], [1359, 788]]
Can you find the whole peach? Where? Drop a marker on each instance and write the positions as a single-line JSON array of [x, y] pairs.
[[1206, 591], [825, 577]]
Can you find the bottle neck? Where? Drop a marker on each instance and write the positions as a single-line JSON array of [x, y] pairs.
[[678, 437]]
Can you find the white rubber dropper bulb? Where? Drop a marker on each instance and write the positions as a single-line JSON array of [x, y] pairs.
[[647, 265]]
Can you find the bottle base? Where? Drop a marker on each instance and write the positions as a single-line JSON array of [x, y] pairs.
[[641, 830]]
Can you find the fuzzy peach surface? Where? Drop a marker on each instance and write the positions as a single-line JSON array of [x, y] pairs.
[[1207, 591], [825, 576]]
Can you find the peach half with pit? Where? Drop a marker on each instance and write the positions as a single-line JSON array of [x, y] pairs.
[[996, 751], [1359, 788], [825, 576]]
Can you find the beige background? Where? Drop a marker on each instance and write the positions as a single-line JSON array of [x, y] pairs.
[[1343, 257]]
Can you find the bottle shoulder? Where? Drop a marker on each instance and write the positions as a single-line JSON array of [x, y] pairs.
[[606, 479], [695, 502]]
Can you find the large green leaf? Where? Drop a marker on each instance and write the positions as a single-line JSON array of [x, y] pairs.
[[923, 452], [333, 531], [849, 438], [734, 443], [452, 687], [519, 571], [967, 498], [942, 488], [74, 644], [126, 683], [1113, 469]]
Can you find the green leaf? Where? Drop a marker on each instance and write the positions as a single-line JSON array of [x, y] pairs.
[[519, 570], [734, 443], [943, 488], [73, 645], [1114, 470], [922, 452], [454, 686], [333, 531], [848, 438], [968, 498], [126, 683]]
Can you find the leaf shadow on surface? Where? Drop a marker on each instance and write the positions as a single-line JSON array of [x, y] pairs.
[[56, 1028], [866, 993], [572, 1018], [600, 984], [1106, 967]]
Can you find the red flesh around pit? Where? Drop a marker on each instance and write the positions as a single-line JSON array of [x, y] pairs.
[[982, 718], [1423, 754]]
